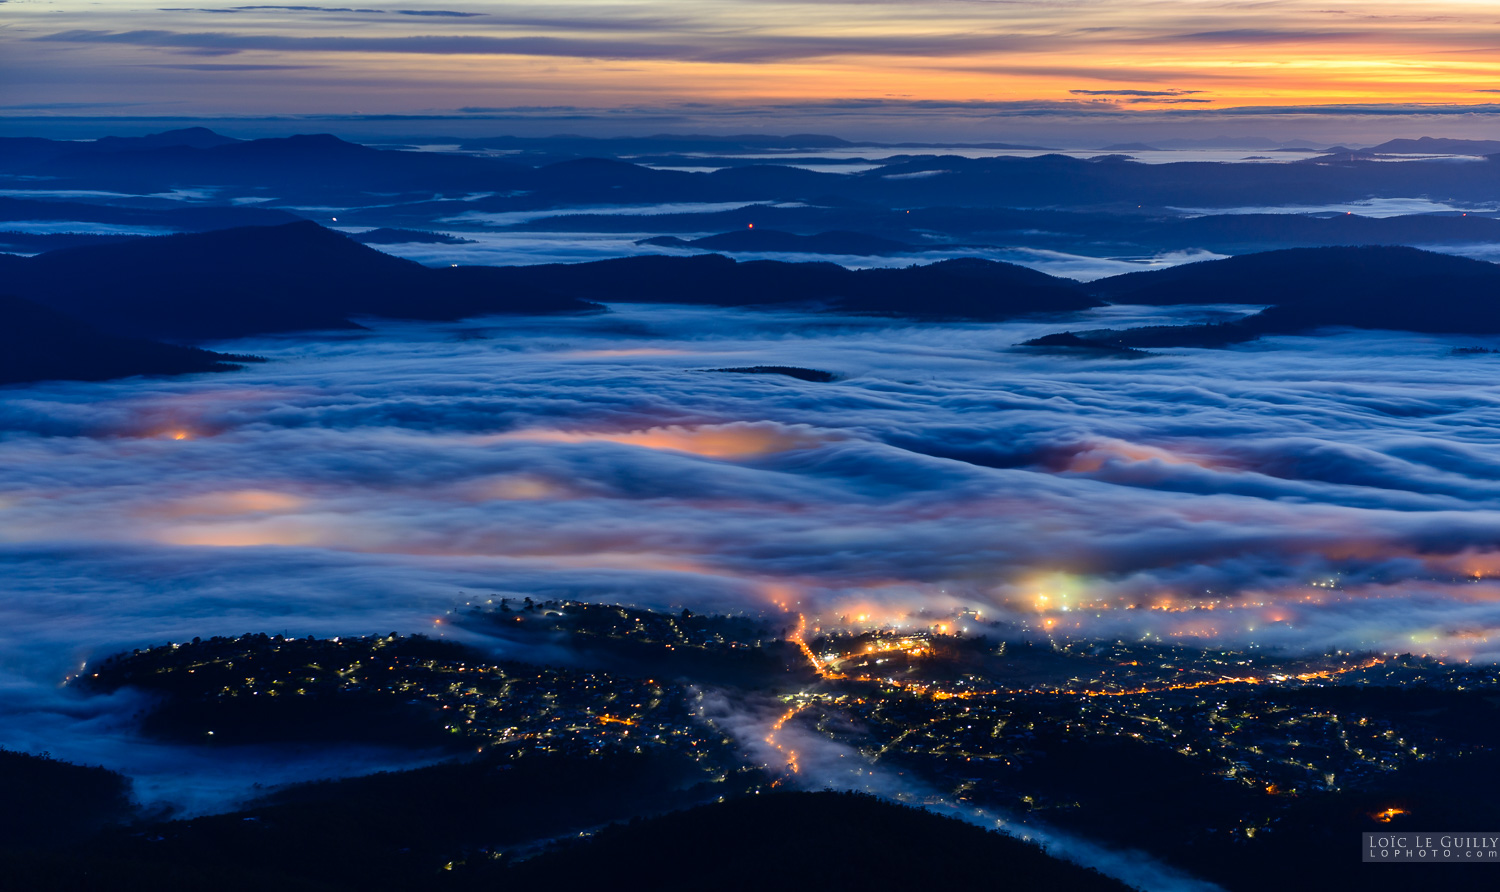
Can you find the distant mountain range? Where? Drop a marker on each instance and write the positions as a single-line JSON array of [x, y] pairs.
[[191, 137], [313, 163], [626, 146], [302, 168], [32, 149]]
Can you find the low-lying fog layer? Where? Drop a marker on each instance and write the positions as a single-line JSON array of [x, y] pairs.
[[522, 248], [1301, 493]]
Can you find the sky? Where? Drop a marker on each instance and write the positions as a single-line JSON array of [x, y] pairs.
[[969, 68]]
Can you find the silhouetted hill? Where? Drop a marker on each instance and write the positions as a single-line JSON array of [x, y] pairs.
[[964, 288], [814, 375], [236, 282], [1428, 145], [1221, 334], [815, 841], [1367, 287], [39, 344], [1068, 342], [853, 243], [192, 137]]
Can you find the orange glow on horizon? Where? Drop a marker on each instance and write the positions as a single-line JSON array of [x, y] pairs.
[[1172, 55]]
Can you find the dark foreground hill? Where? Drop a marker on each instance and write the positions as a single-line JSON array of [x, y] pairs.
[[1396, 288], [453, 826], [38, 344], [254, 280], [805, 841]]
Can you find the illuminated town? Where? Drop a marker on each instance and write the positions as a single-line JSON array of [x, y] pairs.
[[1019, 730]]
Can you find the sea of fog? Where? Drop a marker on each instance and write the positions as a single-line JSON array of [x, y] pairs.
[[508, 248], [849, 159], [1301, 493]]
